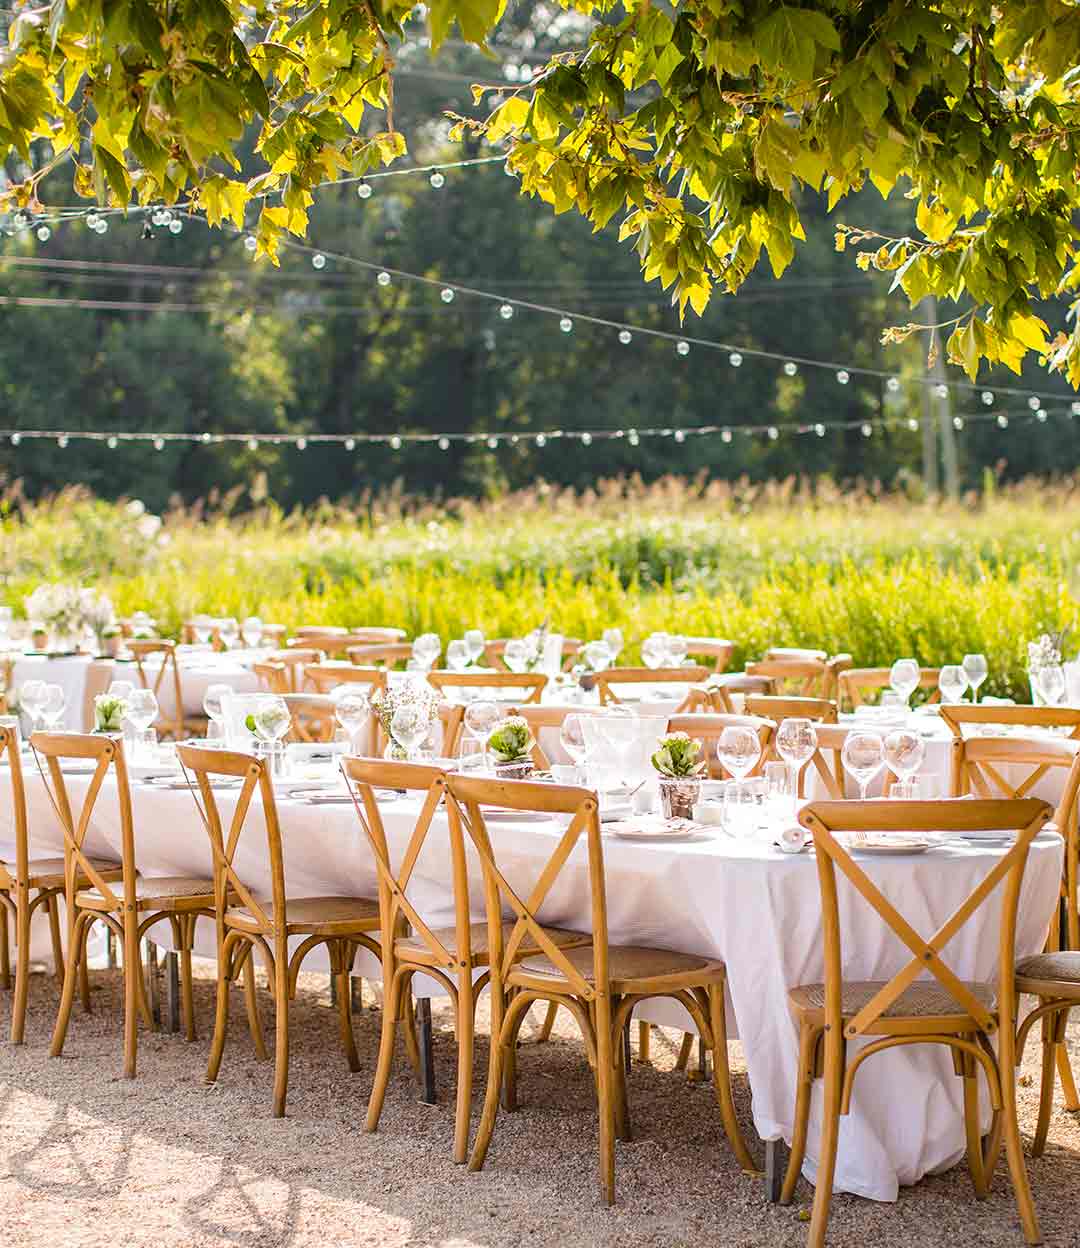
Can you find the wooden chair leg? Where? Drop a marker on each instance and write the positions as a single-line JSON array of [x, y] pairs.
[[343, 956], [5, 950], [972, 1128], [22, 965], [807, 1046], [142, 977], [53, 907], [1046, 1084], [464, 1027], [644, 1041], [685, 1049], [395, 987], [548, 1023], [605, 1098], [84, 983], [407, 1020], [186, 925], [251, 1001], [134, 992], [67, 997], [1014, 1152], [621, 1048], [722, 1078], [494, 1080], [221, 1016], [830, 1133], [1068, 1084], [281, 1033]]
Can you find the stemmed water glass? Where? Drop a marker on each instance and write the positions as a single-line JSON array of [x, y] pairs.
[[613, 639], [617, 729], [738, 750], [904, 678], [480, 718], [409, 727], [32, 695], [572, 739], [214, 706], [52, 709], [796, 741], [597, 654], [426, 649], [272, 721], [677, 647], [252, 632], [516, 655], [474, 642], [904, 754], [351, 709], [457, 656], [863, 757], [654, 650], [976, 671], [228, 632], [952, 682], [1051, 683], [142, 710]]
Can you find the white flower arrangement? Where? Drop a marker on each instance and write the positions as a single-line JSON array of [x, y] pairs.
[[1046, 651], [413, 693], [69, 610]]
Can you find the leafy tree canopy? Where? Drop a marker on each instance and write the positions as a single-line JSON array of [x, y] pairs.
[[697, 121]]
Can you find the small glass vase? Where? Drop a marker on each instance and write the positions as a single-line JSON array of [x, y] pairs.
[[678, 796], [521, 769]]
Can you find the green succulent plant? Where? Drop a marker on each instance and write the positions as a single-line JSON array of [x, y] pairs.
[[677, 756], [511, 740]]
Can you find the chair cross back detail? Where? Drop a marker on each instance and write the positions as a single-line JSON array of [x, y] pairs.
[[979, 759], [9, 745], [464, 801], [534, 682], [1025, 816], [778, 707], [362, 777], [709, 726], [109, 753], [647, 676]]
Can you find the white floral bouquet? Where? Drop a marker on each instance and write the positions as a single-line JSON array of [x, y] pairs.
[[385, 703], [1046, 651], [67, 611], [98, 614]]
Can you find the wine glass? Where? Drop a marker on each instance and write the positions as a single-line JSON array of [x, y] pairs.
[[738, 749], [253, 631], [457, 656], [480, 717], [123, 689], [272, 721], [953, 682], [409, 728], [516, 655], [474, 642], [426, 649], [904, 753], [597, 655], [228, 632], [572, 738], [213, 704], [904, 678], [1051, 682], [52, 709], [32, 695], [863, 757], [142, 709], [796, 741], [614, 639], [351, 709], [677, 647], [975, 669], [654, 651], [203, 628]]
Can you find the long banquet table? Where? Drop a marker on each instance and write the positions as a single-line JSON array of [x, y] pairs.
[[740, 900]]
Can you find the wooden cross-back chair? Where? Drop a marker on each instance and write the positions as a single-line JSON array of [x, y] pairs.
[[245, 924], [717, 695], [447, 682], [961, 715], [855, 683], [977, 768], [313, 719], [339, 641], [273, 677], [598, 983], [130, 910], [708, 729], [825, 765], [646, 676], [778, 707], [714, 648], [925, 1002], [386, 653], [27, 885], [326, 677], [451, 955], [166, 676], [809, 677], [295, 660]]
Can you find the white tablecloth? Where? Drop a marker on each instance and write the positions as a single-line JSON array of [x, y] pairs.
[[80, 677], [739, 900]]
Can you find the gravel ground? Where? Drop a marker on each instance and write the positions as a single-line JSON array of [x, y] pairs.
[[88, 1158]]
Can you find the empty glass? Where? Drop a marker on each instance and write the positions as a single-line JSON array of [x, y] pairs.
[[904, 678], [572, 738], [1051, 684], [597, 655], [516, 655], [272, 721], [480, 718], [32, 695], [142, 709], [614, 639], [213, 703], [409, 727], [426, 649], [904, 754], [474, 642], [953, 683], [228, 632], [976, 671], [677, 646], [796, 741], [863, 757], [253, 631], [738, 749], [351, 709], [457, 656], [52, 709], [654, 650]]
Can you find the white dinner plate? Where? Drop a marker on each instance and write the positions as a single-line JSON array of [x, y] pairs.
[[323, 798], [896, 846], [501, 815], [179, 782], [657, 836], [79, 766]]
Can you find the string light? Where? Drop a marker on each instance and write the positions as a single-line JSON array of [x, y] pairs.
[[364, 190], [444, 443], [987, 397], [866, 430], [725, 436], [625, 337], [683, 347], [437, 180], [892, 385], [159, 444], [112, 443], [318, 261], [1002, 420], [913, 425], [941, 390], [383, 278], [175, 226], [506, 311], [44, 233], [301, 444], [958, 423], [446, 295], [791, 368], [735, 359], [251, 242], [252, 444], [843, 377], [62, 441], [349, 444], [395, 442], [1033, 402], [566, 324], [679, 436]]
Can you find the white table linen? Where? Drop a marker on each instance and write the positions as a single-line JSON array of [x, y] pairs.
[[742, 901], [79, 675]]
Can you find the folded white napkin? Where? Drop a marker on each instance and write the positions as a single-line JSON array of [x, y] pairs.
[[791, 839]]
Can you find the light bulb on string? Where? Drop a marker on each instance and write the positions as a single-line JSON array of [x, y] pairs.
[[913, 425], [92, 219], [866, 430], [444, 444], [791, 368], [774, 433], [680, 436], [493, 443], [175, 225], [819, 430], [62, 441], [301, 444], [1040, 415], [364, 190], [566, 324], [540, 439], [44, 233], [383, 278], [166, 216], [437, 180], [726, 435], [101, 226], [735, 359], [16, 438], [1033, 402], [892, 385], [941, 390], [683, 347], [395, 443], [506, 311], [987, 397], [632, 437], [958, 423], [843, 377], [112, 442], [318, 261], [349, 444], [253, 444], [158, 217], [159, 444], [586, 439], [1075, 409], [250, 243], [625, 337], [1002, 421], [446, 295]]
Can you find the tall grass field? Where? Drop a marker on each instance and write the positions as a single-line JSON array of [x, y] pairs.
[[876, 574]]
